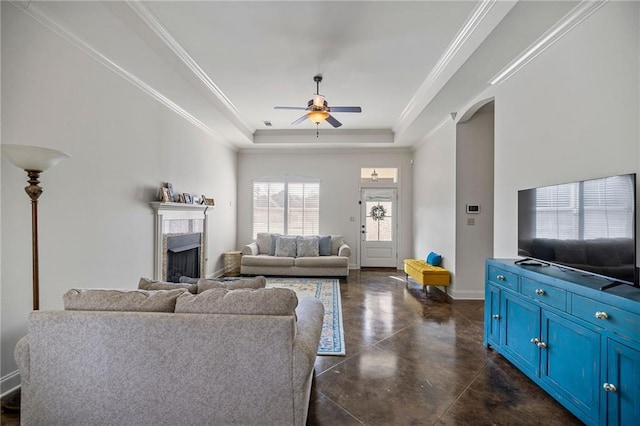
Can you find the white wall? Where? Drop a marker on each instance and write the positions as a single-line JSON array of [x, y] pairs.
[[474, 184], [96, 225], [572, 113], [434, 198], [339, 173]]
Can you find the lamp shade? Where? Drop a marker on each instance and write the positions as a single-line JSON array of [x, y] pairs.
[[317, 116], [29, 157]]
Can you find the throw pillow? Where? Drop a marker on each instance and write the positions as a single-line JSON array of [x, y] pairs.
[[272, 246], [336, 242], [264, 301], [286, 246], [263, 240], [434, 259], [250, 283], [324, 245], [308, 246], [122, 300], [147, 284]]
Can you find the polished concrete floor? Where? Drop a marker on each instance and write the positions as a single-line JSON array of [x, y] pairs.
[[417, 359]]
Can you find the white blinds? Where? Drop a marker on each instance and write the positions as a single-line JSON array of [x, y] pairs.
[[287, 207], [599, 208]]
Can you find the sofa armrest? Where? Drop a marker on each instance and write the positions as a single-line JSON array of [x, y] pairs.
[[344, 250], [250, 249], [310, 313], [21, 355]]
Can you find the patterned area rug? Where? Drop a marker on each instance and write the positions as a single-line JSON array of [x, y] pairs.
[[328, 291]]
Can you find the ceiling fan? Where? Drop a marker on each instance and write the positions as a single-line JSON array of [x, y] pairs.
[[318, 110]]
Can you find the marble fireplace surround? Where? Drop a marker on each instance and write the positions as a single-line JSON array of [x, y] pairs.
[[172, 219]]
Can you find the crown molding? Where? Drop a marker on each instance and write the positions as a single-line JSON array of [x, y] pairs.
[[568, 22], [40, 16], [170, 41], [436, 78]]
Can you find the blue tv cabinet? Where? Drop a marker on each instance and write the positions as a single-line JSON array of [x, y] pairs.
[[579, 343]]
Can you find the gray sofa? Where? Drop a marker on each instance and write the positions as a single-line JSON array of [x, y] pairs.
[[274, 254], [99, 367]]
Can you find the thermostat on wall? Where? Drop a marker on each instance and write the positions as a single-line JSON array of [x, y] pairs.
[[473, 208]]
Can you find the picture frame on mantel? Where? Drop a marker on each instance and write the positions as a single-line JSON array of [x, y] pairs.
[[165, 195], [187, 198]]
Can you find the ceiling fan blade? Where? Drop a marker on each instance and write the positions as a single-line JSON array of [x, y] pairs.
[[289, 107], [300, 120], [331, 120], [345, 109]]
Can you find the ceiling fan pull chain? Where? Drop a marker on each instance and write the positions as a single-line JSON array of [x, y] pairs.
[[317, 131]]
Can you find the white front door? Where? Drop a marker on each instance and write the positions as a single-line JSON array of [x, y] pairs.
[[378, 212]]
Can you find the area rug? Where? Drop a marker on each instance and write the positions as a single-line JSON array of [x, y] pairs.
[[328, 291]]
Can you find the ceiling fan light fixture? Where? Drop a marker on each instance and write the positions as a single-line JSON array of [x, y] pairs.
[[317, 116], [318, 101]]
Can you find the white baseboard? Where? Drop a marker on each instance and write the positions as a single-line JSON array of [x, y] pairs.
[[10, 382], [466, 294]]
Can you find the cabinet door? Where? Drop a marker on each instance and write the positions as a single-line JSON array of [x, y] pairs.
[[623, 380], [492, 315], [521, 323], [570, 364]]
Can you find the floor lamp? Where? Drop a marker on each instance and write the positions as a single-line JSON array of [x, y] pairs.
[[34, 160]]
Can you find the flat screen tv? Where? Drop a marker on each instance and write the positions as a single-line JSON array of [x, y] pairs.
[[587, 226]]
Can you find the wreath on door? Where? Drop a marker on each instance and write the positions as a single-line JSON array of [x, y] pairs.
[[378, 212]]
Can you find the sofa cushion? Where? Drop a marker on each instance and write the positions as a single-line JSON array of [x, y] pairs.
[[272, 245], [122, 300], [324, 245], [263, 240], [251, 283], [265, 260], [264, 301], [286, 246], [308, 246], [322, 262], [147, 284], [336, 242]]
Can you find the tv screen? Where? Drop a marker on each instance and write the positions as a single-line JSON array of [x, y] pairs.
[[587, 226]]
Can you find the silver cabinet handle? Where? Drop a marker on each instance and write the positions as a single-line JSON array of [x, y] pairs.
[[538, 343], [601, 315], [500, 277], [609, 387], [495, 316], [539, 291]]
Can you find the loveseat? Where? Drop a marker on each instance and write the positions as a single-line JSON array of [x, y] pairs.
[[274, 254], [221, 357]]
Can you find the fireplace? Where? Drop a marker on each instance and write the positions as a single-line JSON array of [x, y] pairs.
[[180, 241], [183, 256]]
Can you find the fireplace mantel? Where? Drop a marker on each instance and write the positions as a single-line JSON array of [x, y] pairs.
[[166, 212]]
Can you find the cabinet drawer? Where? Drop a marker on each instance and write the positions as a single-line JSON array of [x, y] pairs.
[[503, 278], [611, 318], [544, 293]]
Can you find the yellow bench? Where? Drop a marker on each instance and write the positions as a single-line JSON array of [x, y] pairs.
[[426, 274]]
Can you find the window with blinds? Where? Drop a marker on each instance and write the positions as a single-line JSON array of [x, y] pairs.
[[599, 208], [287, 205]]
